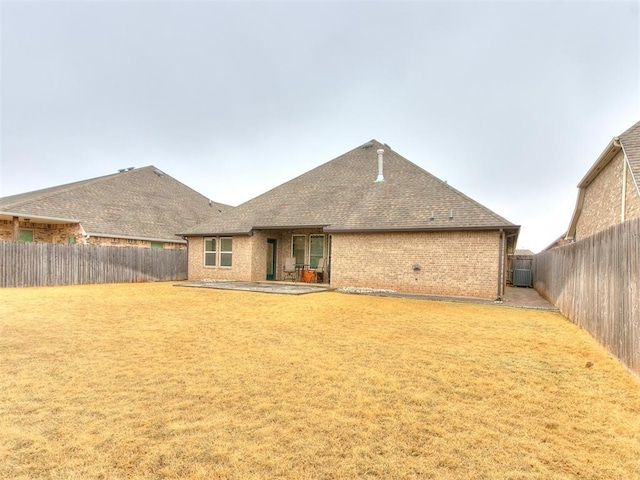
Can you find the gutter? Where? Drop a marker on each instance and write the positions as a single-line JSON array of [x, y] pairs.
[[623, 196], [215, 234], [421, 229], [129, 237], [500, 267], [26, 216]]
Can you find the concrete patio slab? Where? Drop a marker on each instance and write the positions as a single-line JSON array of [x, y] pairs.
[[285, 288], [514, 296]]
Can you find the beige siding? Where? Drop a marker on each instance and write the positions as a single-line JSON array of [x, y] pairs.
[[602, 200], [451, 263]]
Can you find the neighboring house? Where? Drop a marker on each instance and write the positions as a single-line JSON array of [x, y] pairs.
[[381, 222], [558, 242], [141, 207], [608, 194]]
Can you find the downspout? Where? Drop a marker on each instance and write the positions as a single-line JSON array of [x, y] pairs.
[[625, 167], [187, 240], [500, 267]]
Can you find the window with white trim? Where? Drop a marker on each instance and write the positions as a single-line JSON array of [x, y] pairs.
[[210, 252], [226, 251], [316, 249], [298, 250]]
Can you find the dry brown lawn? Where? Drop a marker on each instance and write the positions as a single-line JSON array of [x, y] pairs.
[[156, 381]]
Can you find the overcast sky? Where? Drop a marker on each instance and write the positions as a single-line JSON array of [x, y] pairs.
[[510, 102]]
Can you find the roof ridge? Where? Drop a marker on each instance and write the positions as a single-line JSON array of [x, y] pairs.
[[341, 194], [49, 192]]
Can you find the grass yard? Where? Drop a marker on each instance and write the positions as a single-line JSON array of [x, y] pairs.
[[155, 381]]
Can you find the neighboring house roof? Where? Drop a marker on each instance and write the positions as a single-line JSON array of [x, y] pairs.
[[141, 203], [523, 253], [629, 143], [342, 195]]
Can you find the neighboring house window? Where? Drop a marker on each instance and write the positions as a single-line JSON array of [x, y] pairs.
[[210, 252], [316, 250], [73, 240], [298, 248], [226, 251], [25, 236], [158, 245]]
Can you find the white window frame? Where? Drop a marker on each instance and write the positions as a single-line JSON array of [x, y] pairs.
[[304, 254], [214, 251], [217, 254], [225, 252], [323, 252], [306, 260]]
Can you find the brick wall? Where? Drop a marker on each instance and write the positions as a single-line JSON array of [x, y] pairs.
[[602, 200], [249, 256], [632, 204], [451, 263], [43, 232], [242, 259]]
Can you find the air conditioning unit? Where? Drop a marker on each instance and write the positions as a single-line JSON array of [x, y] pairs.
[[522, 278]]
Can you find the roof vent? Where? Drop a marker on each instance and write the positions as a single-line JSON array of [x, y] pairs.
[[158, 173], [367, 145], [380, 177], [122, 170]]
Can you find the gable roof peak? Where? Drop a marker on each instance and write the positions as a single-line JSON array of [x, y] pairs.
[[342, 195]]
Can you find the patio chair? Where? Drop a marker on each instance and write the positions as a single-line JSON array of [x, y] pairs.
[[319, 272], [290, 269]]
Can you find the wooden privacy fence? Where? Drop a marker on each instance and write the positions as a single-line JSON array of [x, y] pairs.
[[44, 264], [596, 283]]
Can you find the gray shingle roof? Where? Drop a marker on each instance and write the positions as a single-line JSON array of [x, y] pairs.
[[139, 203], [342, 195]]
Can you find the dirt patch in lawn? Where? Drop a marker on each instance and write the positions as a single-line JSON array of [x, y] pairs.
[[155, 381]]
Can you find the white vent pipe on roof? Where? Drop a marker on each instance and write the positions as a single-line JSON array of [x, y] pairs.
[[380, 177]]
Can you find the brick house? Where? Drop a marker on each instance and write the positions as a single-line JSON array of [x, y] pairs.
[[141, 207], [379, 220], [609, 194]]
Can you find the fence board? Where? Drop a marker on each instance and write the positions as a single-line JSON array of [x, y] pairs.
[[596, 283], [44, 264]]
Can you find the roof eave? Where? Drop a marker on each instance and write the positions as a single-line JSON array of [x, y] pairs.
[[603, 160], [31, 218], [506, 228], [217, 234], [134, 237], [608, 154]]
